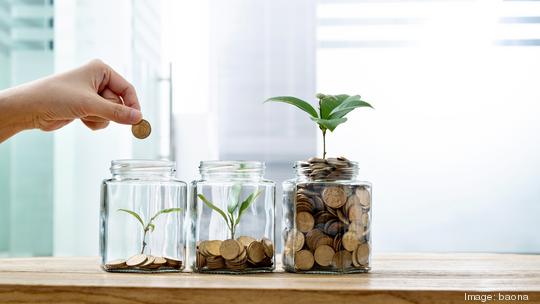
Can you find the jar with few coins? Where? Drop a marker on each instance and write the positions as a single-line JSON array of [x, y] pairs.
[[143, 209], [232, 210], [326, 218]]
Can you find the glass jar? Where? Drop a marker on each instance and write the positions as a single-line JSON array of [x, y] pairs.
[[326, 218], [232, 213], [142, 216]]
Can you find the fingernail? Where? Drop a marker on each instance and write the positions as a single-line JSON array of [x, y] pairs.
[[135, 116]]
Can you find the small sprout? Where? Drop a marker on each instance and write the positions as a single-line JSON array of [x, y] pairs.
[[235, 208], [150, 225], [332, 110]]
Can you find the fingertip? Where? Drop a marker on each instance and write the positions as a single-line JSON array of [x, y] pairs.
[[135, 116]]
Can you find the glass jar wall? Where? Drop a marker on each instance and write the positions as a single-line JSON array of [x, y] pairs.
[[232, 211], [326, 218], [142, 218]]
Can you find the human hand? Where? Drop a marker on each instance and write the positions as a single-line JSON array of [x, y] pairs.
[[93, 93]]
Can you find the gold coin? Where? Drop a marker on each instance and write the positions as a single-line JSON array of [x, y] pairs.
[[324, 240], [355, 213], [174, 263], [334, 197], [230, 249], [116, 264], [268, 247], [142, 129], [255, 252], [324, 255], [365, 219], [295, 240], [350, 240], [148, 262], [209, 248], [245, 240], [357, 227], [304, 221], [240, 259], [136, 260], [363, 197], [200, 260], [342, 259], [303, 260], [354, 258], [362, 254], [159, 261], [215, 262]]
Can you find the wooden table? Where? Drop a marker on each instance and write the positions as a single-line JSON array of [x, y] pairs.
[[395, 278]]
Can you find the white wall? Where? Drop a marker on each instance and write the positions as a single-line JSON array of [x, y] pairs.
[[452, 146]]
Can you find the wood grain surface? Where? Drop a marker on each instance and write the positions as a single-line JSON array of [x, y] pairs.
[[395, 278]]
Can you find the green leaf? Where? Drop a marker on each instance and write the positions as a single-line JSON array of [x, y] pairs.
[[329, 103], [329, 124], [245, 204], [151, 227], [299, 103], [215, 208], [134, 214], [347, 106], [234, 198], [169, 210]]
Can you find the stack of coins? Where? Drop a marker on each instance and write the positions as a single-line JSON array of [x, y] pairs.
[[328, 169], [234, 254], [331, 228], [143, 262]]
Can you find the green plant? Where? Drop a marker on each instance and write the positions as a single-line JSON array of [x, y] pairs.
[[234, 206], [150, 225], [332, 110]]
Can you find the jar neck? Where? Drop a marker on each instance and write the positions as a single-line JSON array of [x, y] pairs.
[[142, 169], [231, 170], [331, 169]]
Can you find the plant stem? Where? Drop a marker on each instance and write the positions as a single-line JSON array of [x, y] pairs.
[[324, 143], [144, 241], [233, 229]]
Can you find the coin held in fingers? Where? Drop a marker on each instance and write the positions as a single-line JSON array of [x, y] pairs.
[[142, 129]]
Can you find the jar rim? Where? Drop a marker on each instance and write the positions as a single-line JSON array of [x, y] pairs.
[[238, 167], [121, 166]]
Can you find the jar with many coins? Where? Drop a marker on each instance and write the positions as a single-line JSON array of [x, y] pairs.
[[232, 213], [327, 215], [142, 218]]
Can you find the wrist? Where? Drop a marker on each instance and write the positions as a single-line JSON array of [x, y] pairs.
[[14, 113]]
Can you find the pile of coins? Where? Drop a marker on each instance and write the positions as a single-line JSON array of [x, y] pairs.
[[332, 228], [143, 262], [327, 169], [234, 254]]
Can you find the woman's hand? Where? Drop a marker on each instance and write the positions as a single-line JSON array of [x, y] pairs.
[[93, 93]]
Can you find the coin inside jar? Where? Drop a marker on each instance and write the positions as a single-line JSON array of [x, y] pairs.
[[324, 255], [304, 260], [136, 260], [230, 249], [142, 129], [334, 197]]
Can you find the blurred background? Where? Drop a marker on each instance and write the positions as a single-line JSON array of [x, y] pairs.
[[452, 147]]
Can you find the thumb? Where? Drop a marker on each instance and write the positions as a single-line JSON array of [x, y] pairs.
[[115, 112]]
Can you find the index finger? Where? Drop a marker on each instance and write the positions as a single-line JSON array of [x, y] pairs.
[[123, 88]]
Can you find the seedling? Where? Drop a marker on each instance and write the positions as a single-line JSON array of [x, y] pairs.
[[149, 227], [332, 110], [235, 208]]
